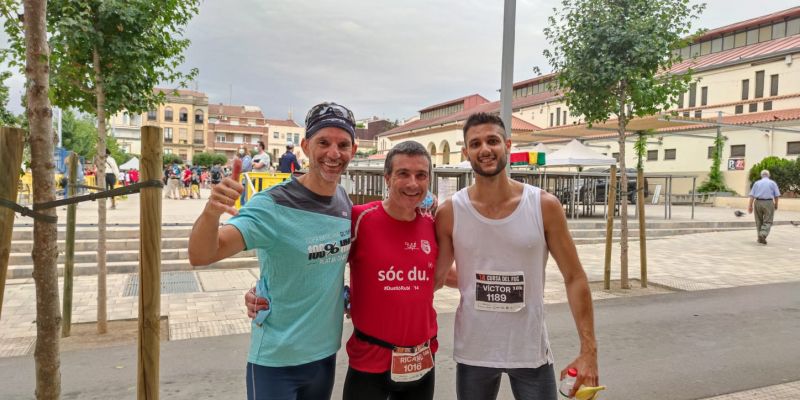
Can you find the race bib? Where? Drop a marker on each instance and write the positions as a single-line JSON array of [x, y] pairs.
[[500, 291], [411, 363]]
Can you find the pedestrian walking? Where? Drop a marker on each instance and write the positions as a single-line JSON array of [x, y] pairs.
[[764, 201], [112, 172], [288, 161]]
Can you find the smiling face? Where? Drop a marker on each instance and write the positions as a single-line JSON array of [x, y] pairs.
[[329, 151], [486, 149], [408, 182]]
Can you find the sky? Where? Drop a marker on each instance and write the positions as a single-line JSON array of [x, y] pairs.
[[382, 58]]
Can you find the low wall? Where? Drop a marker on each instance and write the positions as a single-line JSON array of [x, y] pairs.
[[741, 202]]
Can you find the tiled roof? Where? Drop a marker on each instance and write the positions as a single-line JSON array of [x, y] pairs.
[[535, 80], [282, 122], [223, 127], [518, 124], [741, 119], [493, 107], [751, 23], [740, 55], [235, 111], [476, 96]]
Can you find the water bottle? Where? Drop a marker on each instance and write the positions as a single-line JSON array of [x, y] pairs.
[[568, 382]]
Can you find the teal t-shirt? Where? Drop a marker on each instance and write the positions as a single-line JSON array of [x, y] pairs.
[[302, 240]]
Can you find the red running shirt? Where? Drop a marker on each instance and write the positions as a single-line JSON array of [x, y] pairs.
[[392, 266]]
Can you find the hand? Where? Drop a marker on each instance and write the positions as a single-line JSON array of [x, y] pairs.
[[254, 303], [224, 195], [586, 364], [750, 209]]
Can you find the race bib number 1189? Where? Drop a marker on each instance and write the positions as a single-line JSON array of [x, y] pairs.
[[500, 291]]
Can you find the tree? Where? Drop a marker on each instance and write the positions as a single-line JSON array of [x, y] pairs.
[[171, 158], [208, 159], [107, 57], [612, 58], [79, 134], [29, 46], [785, 173], [715, 181]]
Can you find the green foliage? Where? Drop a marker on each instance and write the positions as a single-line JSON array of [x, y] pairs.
[[171, 158], [79, 134], [715, 181], [640, 146], [610, 55], [365, 154], [209, 159], [7, 118], [786, 173]]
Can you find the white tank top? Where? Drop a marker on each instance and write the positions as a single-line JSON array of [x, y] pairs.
[[500, 323]]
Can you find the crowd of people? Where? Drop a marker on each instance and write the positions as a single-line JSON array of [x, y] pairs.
[[306, 230]]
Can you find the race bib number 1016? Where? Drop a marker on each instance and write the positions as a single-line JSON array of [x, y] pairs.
[[500, 291]]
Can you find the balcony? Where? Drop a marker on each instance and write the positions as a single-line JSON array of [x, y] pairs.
[[198, 119], [199, 141], [167, 139]]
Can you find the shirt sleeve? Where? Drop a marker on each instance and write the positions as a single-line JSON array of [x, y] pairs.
[[775, 191], [256, 222]]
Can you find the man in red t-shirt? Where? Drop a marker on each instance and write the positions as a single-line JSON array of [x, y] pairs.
[[392, 263]]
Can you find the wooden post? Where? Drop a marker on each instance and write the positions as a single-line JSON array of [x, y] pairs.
[[149, 266], [642, 241], [11, 141], [69, 251], [612, 203]]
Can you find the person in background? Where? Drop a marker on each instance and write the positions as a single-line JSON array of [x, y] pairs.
[[261, 161], [186, 182], [195, 185], [764, 195], [112, 172], [215, 174], [247, 161], [288, 161]]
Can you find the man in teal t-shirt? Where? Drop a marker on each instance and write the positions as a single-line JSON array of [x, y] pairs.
[[301, 232]]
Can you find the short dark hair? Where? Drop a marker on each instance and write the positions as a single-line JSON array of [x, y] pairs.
[[481, 118], [409, 148], [261, 144]]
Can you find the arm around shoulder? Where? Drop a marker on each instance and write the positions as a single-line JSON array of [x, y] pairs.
[[444, 238]]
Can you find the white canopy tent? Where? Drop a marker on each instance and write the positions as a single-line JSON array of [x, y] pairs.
[[575, 154], [133, 163]]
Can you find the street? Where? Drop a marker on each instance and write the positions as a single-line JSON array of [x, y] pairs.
[[685, 345]]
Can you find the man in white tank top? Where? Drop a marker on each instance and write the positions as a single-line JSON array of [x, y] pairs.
[[499, 232]]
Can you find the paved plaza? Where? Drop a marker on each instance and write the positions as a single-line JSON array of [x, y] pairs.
[[681, 263]]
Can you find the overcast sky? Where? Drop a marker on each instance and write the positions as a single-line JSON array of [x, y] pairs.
[[380, 57]]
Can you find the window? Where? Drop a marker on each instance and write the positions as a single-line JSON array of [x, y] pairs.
[[168, 114], [698, 113], [793, 27], [752, 36], [767, 106], [685, 53], [254, 139], [652, 155], [126, 119], [779, 30], [711, 152], [745, 89], [727, 42], [753, 107], [198, 117], [669, 154], [759, 84], [296, 138], [685, 114], [220, 139], [182, 135], [167, 151], [615, 155], [183, 115], [558, 116], [152, 115], [692, 95], [565, 117], [198, 137], [694, 50], [773, 85], [680, 101], [716, 45], [792, 148], [182, 154], [705, 48], [740, 39], [765, 33], [704, 96], [275, 135], [168, 135], [737, 150], [739, 109], [551, 119]]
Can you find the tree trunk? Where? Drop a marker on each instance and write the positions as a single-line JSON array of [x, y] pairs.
[[45, 250], [100, 163], [623, 201]]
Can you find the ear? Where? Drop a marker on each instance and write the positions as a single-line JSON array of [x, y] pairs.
[[355, 148], [304, 145], [508, 145], [464, 152]]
